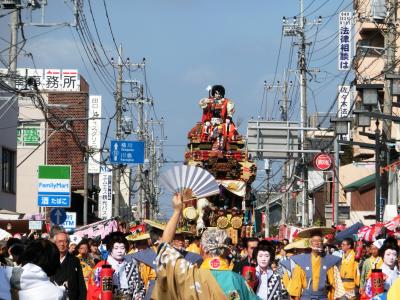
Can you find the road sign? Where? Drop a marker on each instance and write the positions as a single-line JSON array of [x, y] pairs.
[[58, 216], [322, 161], [70, 221], [35, 225], [54, 186], [127, 152]]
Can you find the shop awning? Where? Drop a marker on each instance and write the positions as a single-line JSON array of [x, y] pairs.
[[361, 184]]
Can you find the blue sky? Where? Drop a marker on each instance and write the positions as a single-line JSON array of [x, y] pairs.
[[189, 45]]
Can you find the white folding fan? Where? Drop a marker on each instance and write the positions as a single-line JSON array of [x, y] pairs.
[[200, 182]]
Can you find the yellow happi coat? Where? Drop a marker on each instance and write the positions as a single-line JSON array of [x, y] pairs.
[[349, 271], [299, 282]]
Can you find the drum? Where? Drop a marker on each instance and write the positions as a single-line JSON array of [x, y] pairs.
[[190, 213], [222, 222], [236, 222]]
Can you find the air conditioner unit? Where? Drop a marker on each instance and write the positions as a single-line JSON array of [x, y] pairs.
[[378, 10]]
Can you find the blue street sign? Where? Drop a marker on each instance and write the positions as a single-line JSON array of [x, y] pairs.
[[54, 200], [58, 216], [127, 152]]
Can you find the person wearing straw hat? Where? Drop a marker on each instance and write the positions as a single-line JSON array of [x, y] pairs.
[[180, 279], [147, 256], [315, 275], [286, 266]]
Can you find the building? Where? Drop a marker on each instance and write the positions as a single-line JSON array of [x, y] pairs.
[[358, 178], [55, 137], [8, 148]]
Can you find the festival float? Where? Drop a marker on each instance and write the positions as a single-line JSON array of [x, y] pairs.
[[216, 146]]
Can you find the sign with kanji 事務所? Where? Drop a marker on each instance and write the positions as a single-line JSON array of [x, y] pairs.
[[54, 186]]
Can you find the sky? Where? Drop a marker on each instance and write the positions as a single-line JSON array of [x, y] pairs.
[[189, 45]]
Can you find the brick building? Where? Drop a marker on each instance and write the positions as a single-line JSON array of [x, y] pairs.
[[64, 132]]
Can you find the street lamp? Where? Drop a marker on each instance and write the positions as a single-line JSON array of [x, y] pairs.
[[363, 120], [341, 128], [341, 125], [370, 96]]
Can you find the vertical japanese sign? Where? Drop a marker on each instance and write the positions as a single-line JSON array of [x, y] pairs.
[[94, 138], [344, 55], [105, 195], [344, 101]]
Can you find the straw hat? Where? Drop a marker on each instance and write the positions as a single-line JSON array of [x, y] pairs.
[[299, 244], [309, 232], [155, 224], [138, 237]]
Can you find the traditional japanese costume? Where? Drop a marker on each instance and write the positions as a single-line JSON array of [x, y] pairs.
[[177, 278], [127, 283], [316, 277]]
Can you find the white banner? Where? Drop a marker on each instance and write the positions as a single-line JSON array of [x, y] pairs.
[[94, 137], [344, 54], [105, 195], [344, 101]]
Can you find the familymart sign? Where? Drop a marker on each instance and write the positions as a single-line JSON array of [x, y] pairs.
[[54, 186]]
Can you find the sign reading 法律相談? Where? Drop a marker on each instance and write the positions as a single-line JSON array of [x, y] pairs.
[[344, 53], [54, 186]]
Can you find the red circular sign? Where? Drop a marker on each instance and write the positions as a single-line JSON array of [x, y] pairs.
[[322, 162]]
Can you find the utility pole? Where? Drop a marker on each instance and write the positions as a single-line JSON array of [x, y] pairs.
[[141, 205], [390, 60], [284, 116], [298, 29], [14, 43], [303, 115], [118, 117], [389, 71]]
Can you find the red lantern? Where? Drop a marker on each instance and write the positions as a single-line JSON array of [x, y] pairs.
[[106, 276], [377, 282]]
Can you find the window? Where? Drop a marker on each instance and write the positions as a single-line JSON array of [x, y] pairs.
[[8, 170], [28, 134]]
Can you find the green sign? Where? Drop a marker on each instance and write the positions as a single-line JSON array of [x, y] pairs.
[[54, 186], [28, 136], [55, 172]]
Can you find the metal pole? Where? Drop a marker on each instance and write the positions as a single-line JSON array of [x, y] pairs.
[[118, 116], [14, 42], [303, 116], [267, 194], [377, 173], [335, 209]]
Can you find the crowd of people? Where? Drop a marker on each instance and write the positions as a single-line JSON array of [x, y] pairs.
[[168, 263]]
